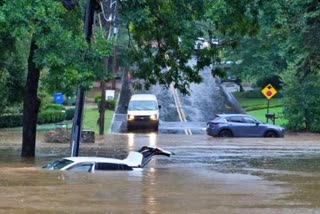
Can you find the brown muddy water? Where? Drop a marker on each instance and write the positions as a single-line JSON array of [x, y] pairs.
[[206, 175]]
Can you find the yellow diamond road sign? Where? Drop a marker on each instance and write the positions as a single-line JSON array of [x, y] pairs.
[[269, 91]]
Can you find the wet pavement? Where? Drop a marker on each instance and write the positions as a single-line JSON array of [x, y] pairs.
[[206, 175]]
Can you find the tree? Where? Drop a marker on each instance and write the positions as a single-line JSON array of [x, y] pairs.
[[304, 71], [12, 68], [162, 35], [56, 44], [287, 45]]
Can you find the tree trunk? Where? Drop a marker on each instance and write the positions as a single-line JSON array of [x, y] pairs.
[[102, 107], [31, 105]]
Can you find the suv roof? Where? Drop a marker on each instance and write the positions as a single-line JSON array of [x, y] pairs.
[[228, 115]]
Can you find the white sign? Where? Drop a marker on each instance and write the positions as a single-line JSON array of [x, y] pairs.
[[109, 94]]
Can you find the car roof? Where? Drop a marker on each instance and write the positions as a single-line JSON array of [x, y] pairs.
[[143, 97], [228, 115], [93, 159]]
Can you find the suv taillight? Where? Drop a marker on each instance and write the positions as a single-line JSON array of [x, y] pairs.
[[210, 124]]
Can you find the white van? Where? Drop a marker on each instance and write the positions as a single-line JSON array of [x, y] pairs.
[[143, 111]]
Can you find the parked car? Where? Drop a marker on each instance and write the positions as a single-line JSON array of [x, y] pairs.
[[135, 160], [241, 125]]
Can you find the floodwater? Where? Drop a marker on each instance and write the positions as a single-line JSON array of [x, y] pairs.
[[206, 175]]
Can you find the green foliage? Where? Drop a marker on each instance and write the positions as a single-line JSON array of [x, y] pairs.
[[301, 101], [256, 94], [13, 109], [155, 29], [274, 80], [69, 113], [53, 106], [97, 99], [3, 90], [63, 54], [110, 104], [9, 121], [51, 116]]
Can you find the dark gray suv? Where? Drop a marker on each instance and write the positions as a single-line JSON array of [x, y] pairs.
[[241, 125]]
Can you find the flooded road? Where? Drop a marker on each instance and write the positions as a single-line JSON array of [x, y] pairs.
[[206, 175]]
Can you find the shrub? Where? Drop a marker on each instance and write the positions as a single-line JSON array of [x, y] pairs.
[[274, 80], [258, 107], [9, 121], [53, 106], [110, 104], [15, 109], [51, 116], [255, 93], [70, 113], [97, 99]]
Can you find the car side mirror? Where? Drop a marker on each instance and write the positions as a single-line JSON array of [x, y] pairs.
[[126, 107], [257, 123], [159, 106]]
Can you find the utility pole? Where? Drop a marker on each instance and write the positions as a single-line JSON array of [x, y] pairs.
[[109, 15], [114, 59], [77, 120], [106, 7]]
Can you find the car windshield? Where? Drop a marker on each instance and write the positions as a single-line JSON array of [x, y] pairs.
[[58, 164], [143, 105]]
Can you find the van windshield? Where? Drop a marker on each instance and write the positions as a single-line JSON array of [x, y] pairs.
[[142, 105]]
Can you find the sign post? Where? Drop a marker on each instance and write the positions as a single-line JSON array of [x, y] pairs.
[[269, 91]]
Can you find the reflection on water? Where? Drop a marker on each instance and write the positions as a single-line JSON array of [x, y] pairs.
[[206, 175]]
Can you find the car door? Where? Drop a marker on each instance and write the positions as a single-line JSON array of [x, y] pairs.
[[237, 126], [251, 127]]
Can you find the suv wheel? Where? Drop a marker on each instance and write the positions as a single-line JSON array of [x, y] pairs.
[[225, 133], [271, 134]]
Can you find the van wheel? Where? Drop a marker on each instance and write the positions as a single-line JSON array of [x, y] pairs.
[[225, 133]]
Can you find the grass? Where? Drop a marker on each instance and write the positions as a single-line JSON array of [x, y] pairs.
[[91, 116], [260, 115], [257, 107]]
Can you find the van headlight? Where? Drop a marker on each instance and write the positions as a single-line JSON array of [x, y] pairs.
[[130, 117], [153, 117]]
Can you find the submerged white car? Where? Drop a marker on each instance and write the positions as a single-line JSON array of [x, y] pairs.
[[135, 160]]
